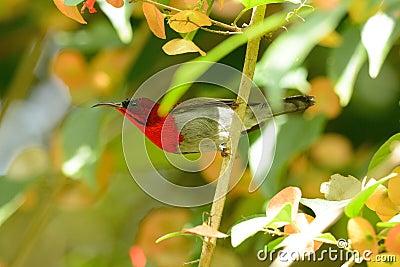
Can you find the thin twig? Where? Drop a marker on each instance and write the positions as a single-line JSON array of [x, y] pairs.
[[227, 164], [203, 28], [220, 32]]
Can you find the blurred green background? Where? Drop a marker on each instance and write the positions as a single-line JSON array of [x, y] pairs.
[[66, 196]]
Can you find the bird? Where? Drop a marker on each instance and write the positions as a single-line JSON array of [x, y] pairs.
[[184, 128]]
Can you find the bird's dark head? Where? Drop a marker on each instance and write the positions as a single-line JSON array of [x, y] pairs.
[[142, 112], [137, 110]]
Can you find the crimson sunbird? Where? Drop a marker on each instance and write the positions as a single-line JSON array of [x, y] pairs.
[[192, 121]]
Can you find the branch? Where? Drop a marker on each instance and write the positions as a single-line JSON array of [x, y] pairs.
[[227, 164], [204, 28], [215, 22]]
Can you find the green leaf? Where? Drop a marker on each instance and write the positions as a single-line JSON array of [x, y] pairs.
[[81, 144], [10, 208], [253, 3], [383, 152], [275, 244], [9, 189], [345, 64], [296, 79], [353, 208], [326, 238], [10, 197], [243, 230], [72, 2], [387, 224], [294, 136], [290, 49], [248, 228], [395, 220], [283, 217], [378, 36], [170, 235], [120, 19]]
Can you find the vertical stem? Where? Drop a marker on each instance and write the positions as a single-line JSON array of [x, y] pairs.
[[217, 208], [24, 74], [40, 220]]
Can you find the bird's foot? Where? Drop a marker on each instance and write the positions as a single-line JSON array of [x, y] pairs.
[[223, 147]]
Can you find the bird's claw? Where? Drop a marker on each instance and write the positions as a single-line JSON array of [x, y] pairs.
[[224, 149]]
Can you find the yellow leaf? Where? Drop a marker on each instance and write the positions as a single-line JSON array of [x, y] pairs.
[[333, 39], [393, 187], [181, 46], [384, 259], [188, 20], [360, 11], [155, 19], [221, 3], [205, 230], [333, 151], [328, 101], [380, 202], [69, 11]]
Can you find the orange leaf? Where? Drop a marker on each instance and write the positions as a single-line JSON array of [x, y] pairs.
[[328, 102], [362, 235], [116, 3], [392, 241], [181, 46], [287, 195], [326, 5], [188, 20], [205, 230], [301, 222], [155, 19], [158, 222], [69, 11], [137, 256], [70, 66]]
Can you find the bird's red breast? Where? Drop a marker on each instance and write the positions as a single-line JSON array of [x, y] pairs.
[[162, 131]]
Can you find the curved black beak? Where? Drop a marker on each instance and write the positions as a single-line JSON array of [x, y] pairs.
[[108, 104]]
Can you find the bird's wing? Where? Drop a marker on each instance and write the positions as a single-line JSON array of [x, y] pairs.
[[201, 103]]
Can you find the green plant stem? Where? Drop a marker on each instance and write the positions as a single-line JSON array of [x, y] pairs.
[[22, 79], [217, 208], [39, 221]]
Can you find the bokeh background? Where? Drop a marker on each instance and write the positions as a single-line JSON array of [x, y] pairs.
[[66, 196]]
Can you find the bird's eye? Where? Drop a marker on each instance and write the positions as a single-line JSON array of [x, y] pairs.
[[129, 103]]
